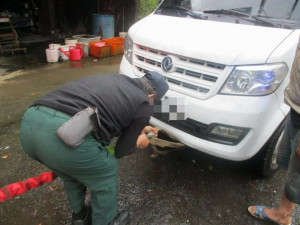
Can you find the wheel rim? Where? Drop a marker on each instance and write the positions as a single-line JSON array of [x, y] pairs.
[[274, 164]]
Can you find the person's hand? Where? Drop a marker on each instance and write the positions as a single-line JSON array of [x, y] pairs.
[[142, 141], [149, 129]]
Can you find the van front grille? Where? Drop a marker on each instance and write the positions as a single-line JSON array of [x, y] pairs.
[[193, 77]]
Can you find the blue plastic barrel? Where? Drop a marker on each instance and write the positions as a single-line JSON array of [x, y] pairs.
[[104, 22]]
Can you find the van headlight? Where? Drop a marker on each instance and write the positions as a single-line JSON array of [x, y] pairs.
[[255, 80], [128, 48]]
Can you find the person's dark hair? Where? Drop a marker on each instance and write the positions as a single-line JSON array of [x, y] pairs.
[[148, 89]]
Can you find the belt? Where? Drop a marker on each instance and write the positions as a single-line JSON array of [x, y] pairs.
[[52, 112]]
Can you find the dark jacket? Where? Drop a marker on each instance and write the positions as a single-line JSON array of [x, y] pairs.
[[123, 105]]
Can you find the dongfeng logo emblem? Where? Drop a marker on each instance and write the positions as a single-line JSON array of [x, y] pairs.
[[167, 64]]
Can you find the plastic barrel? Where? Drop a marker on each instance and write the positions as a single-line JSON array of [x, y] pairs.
[[105, 23], [66, 49], [52, 55]]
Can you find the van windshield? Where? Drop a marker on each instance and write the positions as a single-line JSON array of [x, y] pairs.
[[272, 13]]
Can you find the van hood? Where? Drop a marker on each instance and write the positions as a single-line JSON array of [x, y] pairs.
[[219, 42]]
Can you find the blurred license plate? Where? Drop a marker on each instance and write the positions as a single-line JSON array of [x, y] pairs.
[[171, 108]]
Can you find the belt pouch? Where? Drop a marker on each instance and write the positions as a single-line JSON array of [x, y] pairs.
[[73, 132]]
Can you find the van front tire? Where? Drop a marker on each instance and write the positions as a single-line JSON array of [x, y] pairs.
[[265, 161]]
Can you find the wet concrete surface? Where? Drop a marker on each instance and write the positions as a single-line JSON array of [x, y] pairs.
[[181, 188]]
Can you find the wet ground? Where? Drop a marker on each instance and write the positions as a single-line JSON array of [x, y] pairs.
[[181, 188]]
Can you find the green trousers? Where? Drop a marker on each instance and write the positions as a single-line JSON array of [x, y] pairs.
[[88, 166]]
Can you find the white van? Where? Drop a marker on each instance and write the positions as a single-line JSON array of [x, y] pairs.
[[230, 61]]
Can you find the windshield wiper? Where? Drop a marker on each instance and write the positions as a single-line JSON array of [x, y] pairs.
[[237, 13], [184, 10]]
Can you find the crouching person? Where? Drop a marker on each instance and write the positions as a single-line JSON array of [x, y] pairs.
[[123, 107]]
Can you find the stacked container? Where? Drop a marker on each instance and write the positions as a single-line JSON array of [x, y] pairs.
[[99, 49], [117, 45], [107, 47]]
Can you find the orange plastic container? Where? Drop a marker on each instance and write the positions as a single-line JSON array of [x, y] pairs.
[[117, 45], [100, 49]]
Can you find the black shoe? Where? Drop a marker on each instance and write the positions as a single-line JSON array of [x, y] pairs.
[[86, 221], [81, 222], [121, 219]]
